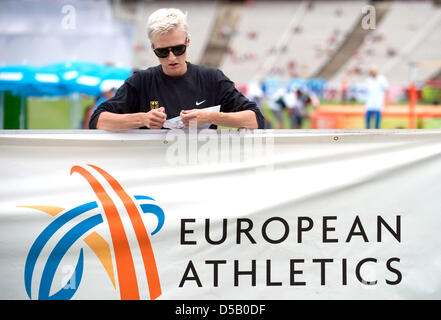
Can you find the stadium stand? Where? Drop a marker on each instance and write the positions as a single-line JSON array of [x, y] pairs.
[[227, 17], [407, 34], [288, 39], [354, 39], [301, 39]]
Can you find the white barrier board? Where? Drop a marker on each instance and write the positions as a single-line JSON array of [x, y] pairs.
[[220, 215]]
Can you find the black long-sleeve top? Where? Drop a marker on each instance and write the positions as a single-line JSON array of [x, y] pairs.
[[198, 88]]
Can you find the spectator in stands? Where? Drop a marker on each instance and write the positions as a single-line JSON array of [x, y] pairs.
[[376, 87], [391, 52], [175, 87], [291, 67], [297, 30], [252, 34], [223, 31]]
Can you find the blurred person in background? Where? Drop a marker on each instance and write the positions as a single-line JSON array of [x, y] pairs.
[[344, 91], [86, 117], [255, 93], [376, 87], [107, 92], [175, 87], [302, 98], [278, 102]]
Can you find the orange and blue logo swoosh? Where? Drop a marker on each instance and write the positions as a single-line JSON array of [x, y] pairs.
[[125, 268]]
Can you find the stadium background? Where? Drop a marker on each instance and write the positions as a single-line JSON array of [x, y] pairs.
[[321, 46]]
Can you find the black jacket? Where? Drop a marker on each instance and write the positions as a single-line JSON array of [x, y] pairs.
[[199, 87]]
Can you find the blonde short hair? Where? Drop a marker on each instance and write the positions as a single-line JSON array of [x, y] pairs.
[[165, 20]]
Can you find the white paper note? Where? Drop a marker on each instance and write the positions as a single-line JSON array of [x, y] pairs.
[[176, 122]]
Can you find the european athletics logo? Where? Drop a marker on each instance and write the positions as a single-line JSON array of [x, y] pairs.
[[67, 221]]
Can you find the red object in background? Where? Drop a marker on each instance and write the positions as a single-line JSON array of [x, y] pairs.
[[434, 83], [412, 102], [353, 116], [139, 47], [242, 88], [418, 92]]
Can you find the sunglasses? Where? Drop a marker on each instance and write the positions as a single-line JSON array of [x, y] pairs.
[[177, 50]]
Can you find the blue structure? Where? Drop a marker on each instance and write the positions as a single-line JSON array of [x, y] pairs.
[[70, 78], [60, 79]]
